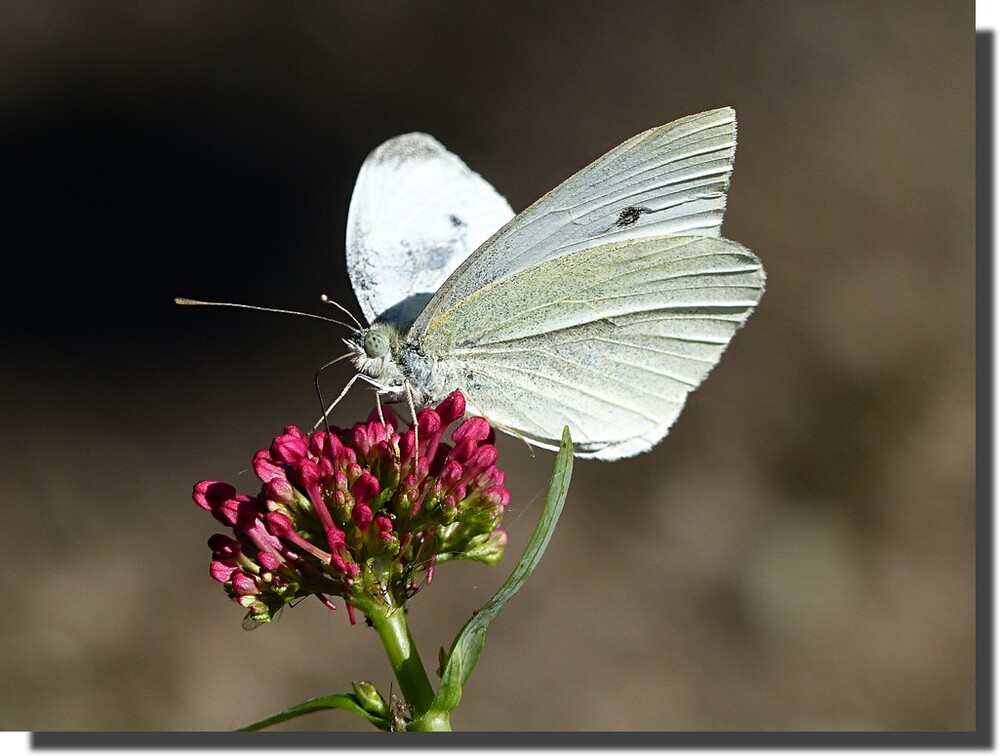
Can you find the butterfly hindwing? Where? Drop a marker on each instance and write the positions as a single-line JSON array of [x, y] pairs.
[[416, 213], [609, 340]]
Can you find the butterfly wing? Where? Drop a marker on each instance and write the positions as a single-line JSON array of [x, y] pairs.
[[666, 181], [416, 213], [608, 340]]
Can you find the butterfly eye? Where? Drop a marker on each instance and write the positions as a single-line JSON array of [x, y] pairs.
[[376, 344]]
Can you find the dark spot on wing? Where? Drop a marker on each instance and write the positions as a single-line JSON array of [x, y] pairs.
[[456, 221], [629, 216]]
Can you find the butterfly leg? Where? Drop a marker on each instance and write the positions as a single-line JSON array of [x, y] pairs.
[[328, 410], [416, 425]]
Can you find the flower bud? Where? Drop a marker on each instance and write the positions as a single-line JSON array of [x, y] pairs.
[[365, 488], [288, 449], [279, 490], [452, 408], [487, 549], [222, 570], [266, 468], [269, 560], [476, 428], [362, 516], [210, 494], [243, 584], [370, 699]]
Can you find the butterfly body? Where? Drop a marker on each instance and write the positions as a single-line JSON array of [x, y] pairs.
[[600, 307], [397, 367]]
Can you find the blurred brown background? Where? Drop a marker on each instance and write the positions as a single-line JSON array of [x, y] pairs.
[[798, 554]]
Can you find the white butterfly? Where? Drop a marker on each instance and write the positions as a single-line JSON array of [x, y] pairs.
[[599, 307]]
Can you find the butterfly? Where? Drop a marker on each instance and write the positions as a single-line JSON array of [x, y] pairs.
[[600, 307]]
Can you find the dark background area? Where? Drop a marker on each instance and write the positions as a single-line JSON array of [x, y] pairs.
[[798, 554]]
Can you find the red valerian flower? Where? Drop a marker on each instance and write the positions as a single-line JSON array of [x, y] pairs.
[[363, 513]]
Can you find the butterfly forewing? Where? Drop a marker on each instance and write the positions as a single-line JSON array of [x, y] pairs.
[[669, 180]]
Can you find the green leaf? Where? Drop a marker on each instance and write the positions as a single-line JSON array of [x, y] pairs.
[[344, 701], [468, 644]]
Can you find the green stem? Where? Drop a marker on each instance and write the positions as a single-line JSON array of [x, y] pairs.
[[390, 623]]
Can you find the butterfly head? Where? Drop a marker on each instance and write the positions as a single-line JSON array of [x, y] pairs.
[[375, 350]]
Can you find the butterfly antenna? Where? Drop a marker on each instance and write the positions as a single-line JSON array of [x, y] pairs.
[[319, 391], [186, 301], [326, 300]]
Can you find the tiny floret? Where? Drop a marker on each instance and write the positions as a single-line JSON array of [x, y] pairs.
[[363, 513]]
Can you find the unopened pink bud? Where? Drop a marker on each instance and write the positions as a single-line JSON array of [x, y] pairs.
[[485, 456], [362, 516], [464, 450], [491, 476], [476, 428], [384, 527], [294, 432], [407, 445], [280, 490], [243, 584], [497, 497], [222, 571], [482, 459], [319, 443], [452, 408], [326, 468], [228, 513], [269, 560], [288, 449], [278, 524], [361, 439], [377, 432], [335, 538], [209, 494], [307, 473], [353, 472], [429, 422], [451, 473], [365, 488], [266, 468]]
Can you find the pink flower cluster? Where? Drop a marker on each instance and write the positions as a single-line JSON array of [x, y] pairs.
[[363, 513]]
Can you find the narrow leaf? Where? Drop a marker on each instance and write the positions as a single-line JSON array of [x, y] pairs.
[[344, 701], [468, 644]]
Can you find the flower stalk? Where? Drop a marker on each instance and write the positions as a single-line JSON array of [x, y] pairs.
[[404, 658]]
